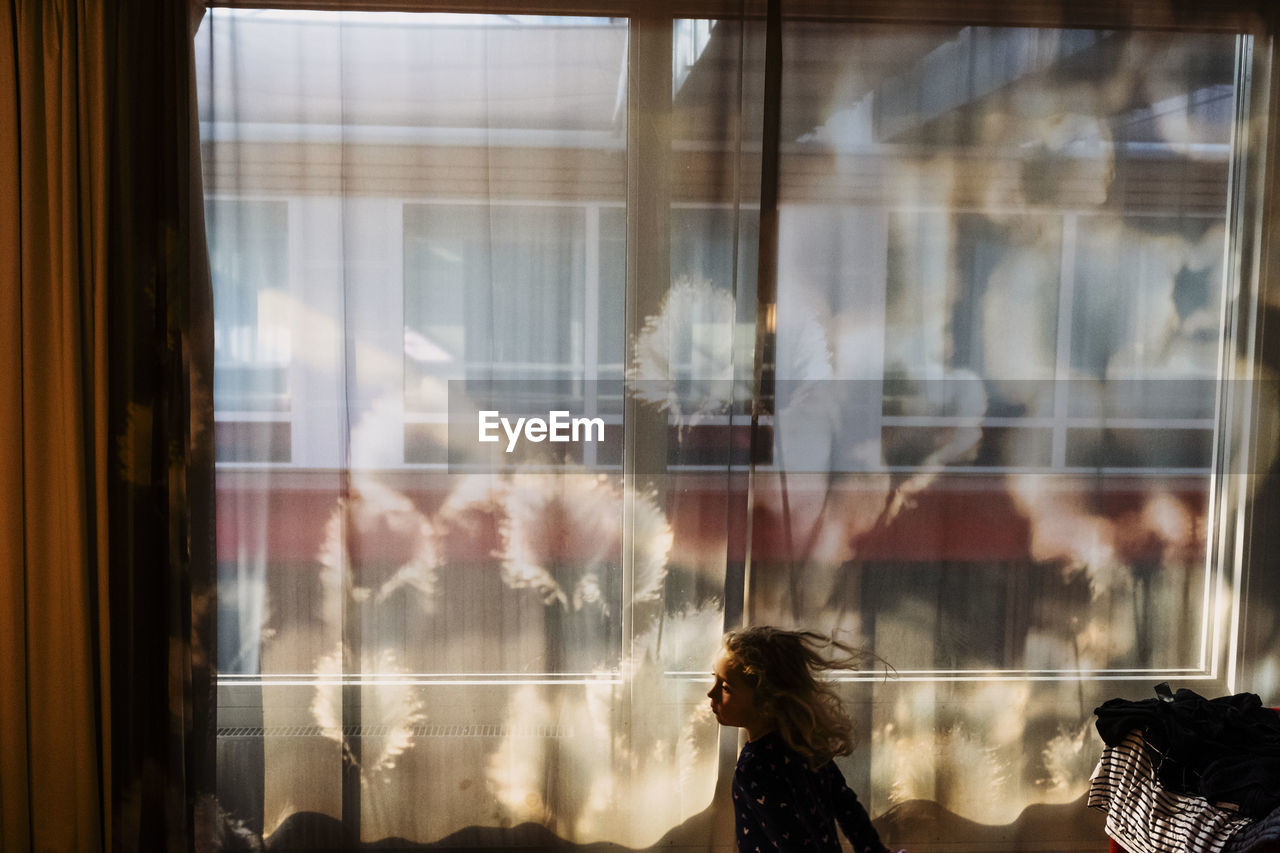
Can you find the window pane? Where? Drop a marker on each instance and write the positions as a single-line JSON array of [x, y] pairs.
[[493, 292], [1000, 303], [249, 258], [409, 649], [997, 346]]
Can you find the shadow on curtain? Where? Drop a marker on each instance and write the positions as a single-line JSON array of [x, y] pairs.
[[415, 219], [997, 338], [956, 398]]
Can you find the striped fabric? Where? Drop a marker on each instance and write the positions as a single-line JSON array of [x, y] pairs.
[[1146, 818]]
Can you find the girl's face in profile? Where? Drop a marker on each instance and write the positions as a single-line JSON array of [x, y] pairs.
[[733, 700]]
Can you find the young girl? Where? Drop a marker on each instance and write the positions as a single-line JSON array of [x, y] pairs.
[[787, 792]]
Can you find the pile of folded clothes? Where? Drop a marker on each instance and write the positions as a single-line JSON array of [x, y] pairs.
[[1184, 773]]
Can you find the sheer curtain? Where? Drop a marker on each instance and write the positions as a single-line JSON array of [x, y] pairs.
[[922, 331], [414, 219]]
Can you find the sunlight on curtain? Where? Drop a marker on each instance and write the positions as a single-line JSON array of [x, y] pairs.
[[998, 358], [1001, 319], [412, 216]]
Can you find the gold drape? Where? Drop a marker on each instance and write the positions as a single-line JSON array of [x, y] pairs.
[[106, 533], [53, 260]]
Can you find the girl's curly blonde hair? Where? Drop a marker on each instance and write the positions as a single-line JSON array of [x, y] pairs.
[[780, 666]]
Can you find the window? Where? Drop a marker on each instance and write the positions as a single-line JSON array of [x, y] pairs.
[[249, 257], [998, 450]]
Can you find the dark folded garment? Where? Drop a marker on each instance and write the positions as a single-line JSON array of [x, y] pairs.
[[1255, 835], [1226, 750]]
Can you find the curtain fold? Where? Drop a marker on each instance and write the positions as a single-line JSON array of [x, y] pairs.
[[54, 253], [161, 539], [101, 555]]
